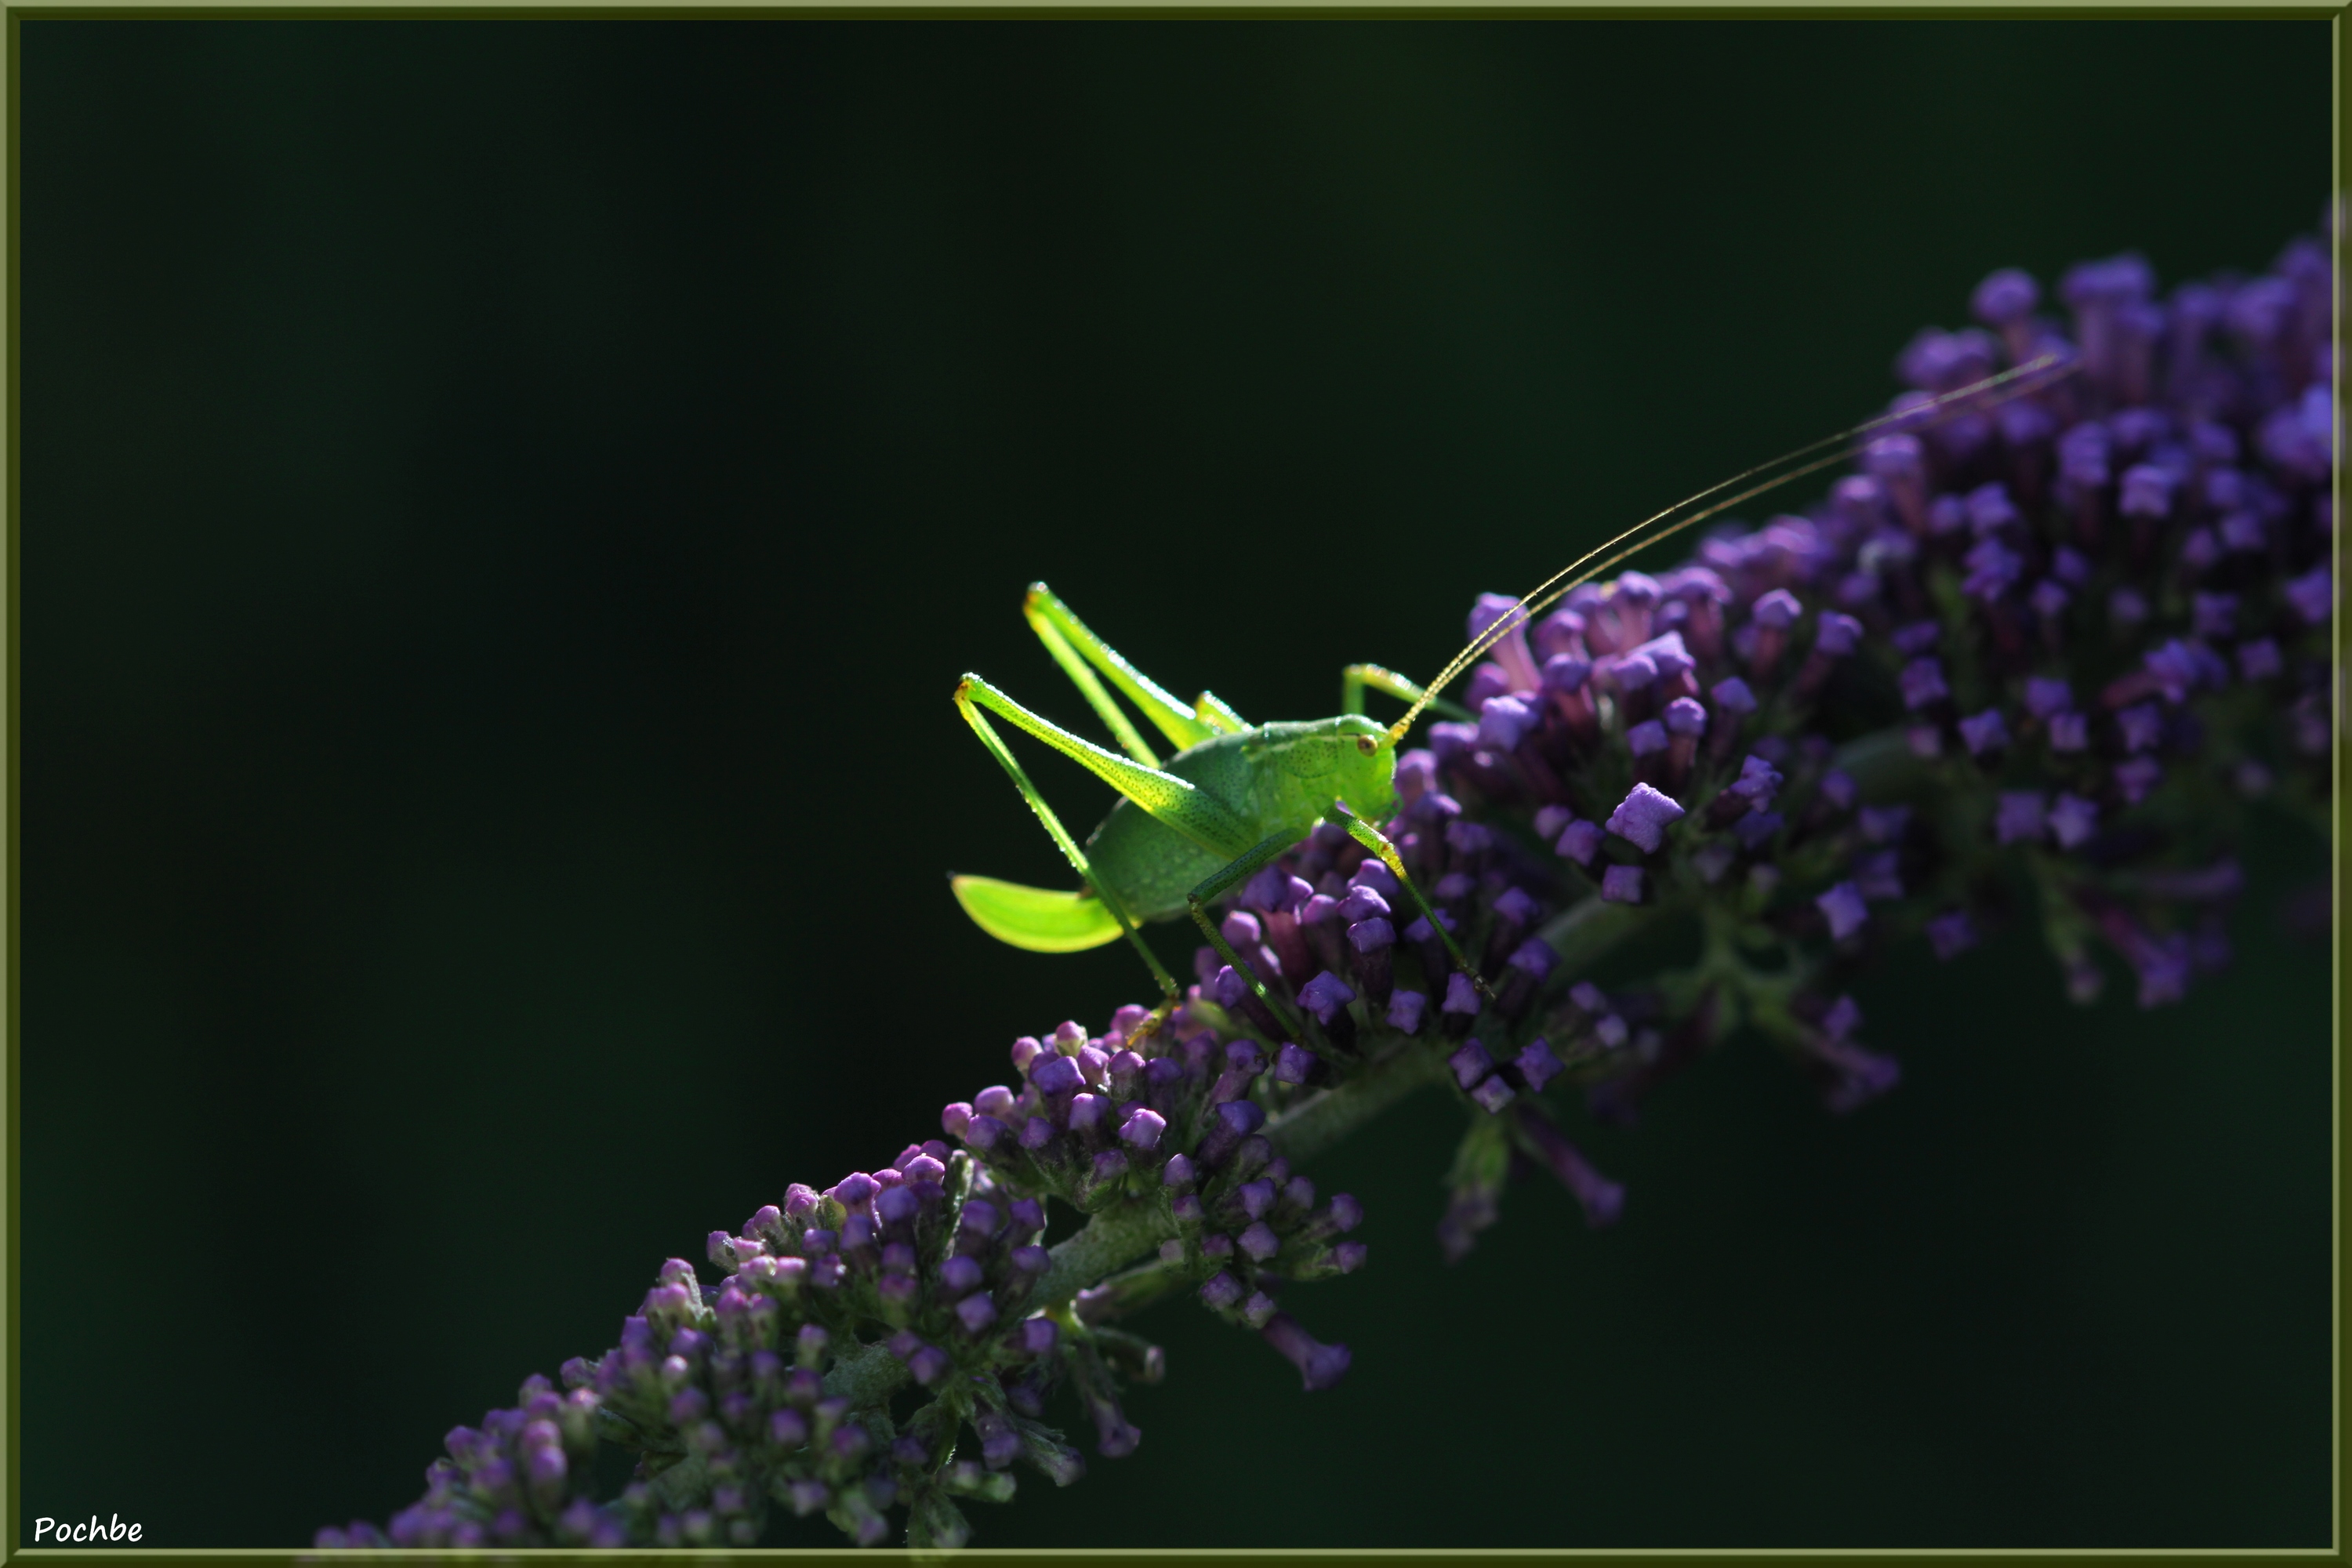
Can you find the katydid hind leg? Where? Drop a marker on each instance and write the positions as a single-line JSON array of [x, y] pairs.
[[994, 742]]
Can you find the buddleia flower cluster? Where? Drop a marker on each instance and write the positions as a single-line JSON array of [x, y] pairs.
[[2022, 666]]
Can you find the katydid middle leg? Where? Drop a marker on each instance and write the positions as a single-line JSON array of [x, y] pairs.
[[1373, 839], [1170, 992], [1247, 866]]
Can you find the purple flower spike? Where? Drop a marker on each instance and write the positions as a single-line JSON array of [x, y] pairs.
[[2072, 820], [1406, 1008], [1842, 907], [1580, 841], [1951, 935], [2020, 818], [1142, 1128], [1622, 885], [1320, 1364], [1984, 732], [1923, 682], [1643, 816], [1324, 996]]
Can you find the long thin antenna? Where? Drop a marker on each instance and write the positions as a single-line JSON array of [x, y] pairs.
[[1648, 532]]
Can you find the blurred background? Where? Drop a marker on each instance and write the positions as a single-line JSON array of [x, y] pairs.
[[504, 505]]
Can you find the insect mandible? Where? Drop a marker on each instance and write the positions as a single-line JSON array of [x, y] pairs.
[[1235, 795]]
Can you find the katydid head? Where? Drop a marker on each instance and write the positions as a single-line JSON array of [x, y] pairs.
[[1505, 618]]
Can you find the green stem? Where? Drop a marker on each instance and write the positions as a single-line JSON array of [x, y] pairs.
[[1110, 1241]]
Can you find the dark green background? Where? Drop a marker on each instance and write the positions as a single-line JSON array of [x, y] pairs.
[[505, 504]]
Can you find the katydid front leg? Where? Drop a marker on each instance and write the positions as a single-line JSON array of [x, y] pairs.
[[965, 695], [1373, 839]]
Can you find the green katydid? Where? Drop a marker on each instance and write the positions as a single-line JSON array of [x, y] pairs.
[[1235, 795]]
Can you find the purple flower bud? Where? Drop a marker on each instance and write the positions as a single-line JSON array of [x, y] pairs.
[[1053, 1075], [1493, 1094], [1684, 716], [2043, 698], [1242, 929], [2137, 776], [1110, 1166], [1504, 722], [1259, 1243], [975, 1312], [1370, 936], [1221, 1290], [1031, 1258], [1470, 1064], [1843, 1017], [1646, 737], [960, 1274], [1580, 841], [2313, 594], [1842, 907], [1178, 1172], [1918, 637], [1461, 996], [1363, 904], [1643, 816], [1406, 1008], [1324, 996], [1321, 908], [1241, 1118], [1087, 1111], [2072, 820], [2020, 816], [1923, 682], [2145, 491], [1035, 1133], [1838, 635], [1538, 1065], [2142, 724], [2069, 733], [1320, 1365], [1622, 885], [1566, 672], [1951, 935], [1142, 1128], [1840, 790], [1733, 697], [1037, 1336], [1778, 609], [2006, 296], [1293, 1063], [1984, 732]]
